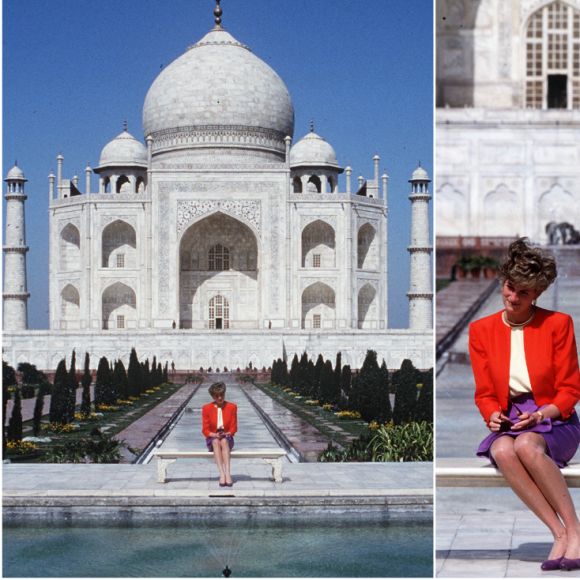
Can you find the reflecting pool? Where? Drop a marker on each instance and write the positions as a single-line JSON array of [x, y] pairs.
[[250, 550]]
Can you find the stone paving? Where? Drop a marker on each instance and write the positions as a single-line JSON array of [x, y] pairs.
[[486, 532]]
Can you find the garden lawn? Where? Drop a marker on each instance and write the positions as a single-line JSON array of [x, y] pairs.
[[110, 423], [324, 420]]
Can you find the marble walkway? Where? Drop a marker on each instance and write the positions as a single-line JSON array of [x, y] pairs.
[[486, 532]]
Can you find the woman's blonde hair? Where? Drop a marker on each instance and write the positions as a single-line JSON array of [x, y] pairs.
[[528, 266], [217, 389]]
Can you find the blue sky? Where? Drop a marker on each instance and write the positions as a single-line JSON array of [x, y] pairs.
[[74, 70]]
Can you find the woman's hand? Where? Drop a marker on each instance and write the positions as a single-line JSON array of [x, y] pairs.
[[496, 420], [526, 421]]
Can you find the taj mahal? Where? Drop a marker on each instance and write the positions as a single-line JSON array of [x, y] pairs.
[[219, 240]]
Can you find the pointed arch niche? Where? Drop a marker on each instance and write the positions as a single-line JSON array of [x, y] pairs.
[[69, 249], [119, 245], [70, 310], [318, 245], [219, 254], [119, 307], [367, 248], [318, 307], [367, 306]]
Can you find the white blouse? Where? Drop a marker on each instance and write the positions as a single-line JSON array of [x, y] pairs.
[[220, 419], [519, 377]]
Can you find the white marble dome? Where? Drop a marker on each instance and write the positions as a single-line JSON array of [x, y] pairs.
[[312, 150], [124, 150], [420, 173], [218, 85], [15, 173]]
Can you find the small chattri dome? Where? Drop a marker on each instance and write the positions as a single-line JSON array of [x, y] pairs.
[[15, 173], [313, 150], [421, 174], [123, 150]]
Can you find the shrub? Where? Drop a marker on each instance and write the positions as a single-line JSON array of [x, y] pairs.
[[27, 391], [409, 442]]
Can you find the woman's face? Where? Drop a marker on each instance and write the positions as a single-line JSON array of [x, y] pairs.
[[517, 301], [220, 399]]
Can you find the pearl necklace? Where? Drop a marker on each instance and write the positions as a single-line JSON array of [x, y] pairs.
[[517, 324]]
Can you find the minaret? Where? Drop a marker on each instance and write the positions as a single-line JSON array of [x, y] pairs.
[[15, 294], [421, 290]]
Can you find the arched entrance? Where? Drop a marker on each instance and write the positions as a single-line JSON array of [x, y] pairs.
[[219, 262]]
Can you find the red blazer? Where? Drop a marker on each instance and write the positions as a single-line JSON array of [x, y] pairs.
[[209, 417], [551, 358]]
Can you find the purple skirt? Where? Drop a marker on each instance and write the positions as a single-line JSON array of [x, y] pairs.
[[210, 439], [562, 436]]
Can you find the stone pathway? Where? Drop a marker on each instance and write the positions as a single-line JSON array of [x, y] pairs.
[[143, 431], [486, 532]]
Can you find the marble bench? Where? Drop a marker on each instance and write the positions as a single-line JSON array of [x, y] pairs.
[[475, 472], [272, 456]]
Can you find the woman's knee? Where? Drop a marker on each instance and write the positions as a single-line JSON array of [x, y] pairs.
[[530, 447], [502, 450]]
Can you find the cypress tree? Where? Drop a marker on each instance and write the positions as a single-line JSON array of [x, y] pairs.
[[424, 410], [284, 373], [326, 383], [15, 422], [405, 380], [384, 401], [121, 380], [294, 372], [146, 374], [166, 372], [336, 380], [274, 373], [154, 382], [365, 388], [103, 383], [58, 399], [134, 375], [30, 374], [8, 380], [86, 383], [345, 379], [318, 368], [73, 385], [37, 416]]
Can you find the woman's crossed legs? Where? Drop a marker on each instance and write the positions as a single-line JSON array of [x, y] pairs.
[[221, 454], [539, 483]]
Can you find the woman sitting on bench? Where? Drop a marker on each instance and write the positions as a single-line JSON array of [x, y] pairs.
[[220, 423], [525, 366]]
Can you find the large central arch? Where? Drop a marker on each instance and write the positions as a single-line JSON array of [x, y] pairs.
[[219, 254]]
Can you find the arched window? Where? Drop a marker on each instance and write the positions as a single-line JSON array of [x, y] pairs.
[[140, 185], [219, 258], [219, 313], [553, 58], [314, 184], [123, 185], [106, 184], [297, 183]]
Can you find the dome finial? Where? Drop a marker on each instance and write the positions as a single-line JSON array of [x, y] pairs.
[[312, 124], [218, 12], [15, 162], [419, 163], [125, 124]]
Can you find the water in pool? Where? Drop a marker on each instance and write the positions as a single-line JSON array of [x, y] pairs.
[[249, 550]]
